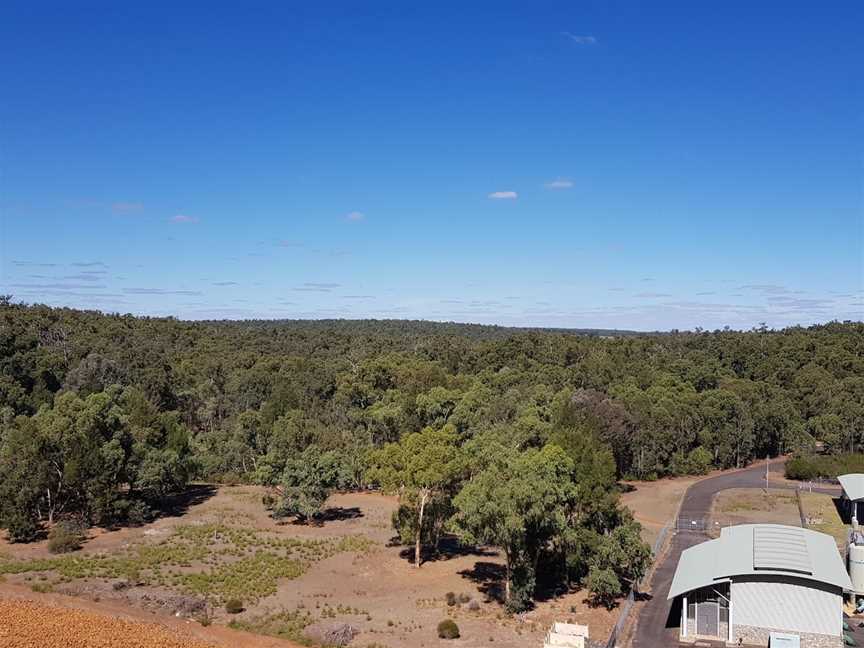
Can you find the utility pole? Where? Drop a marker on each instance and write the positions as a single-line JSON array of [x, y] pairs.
[[766, 472]]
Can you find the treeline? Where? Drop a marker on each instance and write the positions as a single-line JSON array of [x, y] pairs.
[[810, 466], [104, 415]]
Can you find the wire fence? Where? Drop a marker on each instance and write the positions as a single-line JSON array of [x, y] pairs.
[[627, 605]]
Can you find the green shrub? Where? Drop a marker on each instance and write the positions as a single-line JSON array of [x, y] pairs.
[[234, 606], [21, 527], [65, 537], [806, 467], [448, 629]]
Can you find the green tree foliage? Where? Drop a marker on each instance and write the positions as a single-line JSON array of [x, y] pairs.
[[522, 513], [82, 456], [423, 469], [104, 416], [307, 481]]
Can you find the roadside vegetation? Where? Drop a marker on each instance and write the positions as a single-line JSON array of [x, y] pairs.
[[821, 514], [487, 436], [811, 466]]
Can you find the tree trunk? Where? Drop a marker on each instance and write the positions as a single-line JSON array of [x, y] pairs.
[[507, 576], [423, 495]]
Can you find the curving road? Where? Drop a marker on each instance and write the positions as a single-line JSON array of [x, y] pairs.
[[651, 629]]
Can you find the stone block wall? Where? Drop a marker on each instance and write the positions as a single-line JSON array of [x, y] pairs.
[[751, 635]]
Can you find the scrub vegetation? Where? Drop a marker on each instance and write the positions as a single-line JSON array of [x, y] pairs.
[[220, 563]]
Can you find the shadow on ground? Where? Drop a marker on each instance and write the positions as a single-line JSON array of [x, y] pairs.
[[489, 578], [448, 547]]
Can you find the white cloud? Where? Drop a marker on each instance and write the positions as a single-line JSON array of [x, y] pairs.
[[584, 39], [355, 216], [559, 183], [503, 195], [184, 218]]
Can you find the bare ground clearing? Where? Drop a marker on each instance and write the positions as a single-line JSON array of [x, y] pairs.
[[373, 586], [654, 503]]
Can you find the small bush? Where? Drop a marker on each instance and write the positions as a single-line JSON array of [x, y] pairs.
[[464, 598], [474, 605], [450, 597], [448, 629], [139, 513], [21, 527], [234, 606], [65, 537]]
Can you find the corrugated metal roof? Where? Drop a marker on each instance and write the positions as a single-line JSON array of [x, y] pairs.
[[853, 486], [751, 549], [781, 548]]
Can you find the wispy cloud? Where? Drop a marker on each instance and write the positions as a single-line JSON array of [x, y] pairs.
[[322, 285], [581, 39], [771, 289], [58, 286], [161, 291], [503, 195], [89, 264], [84, 276], [559, 183], [127, 207], [185, 218], [32, 264], [652, 295], [225, 283], [317, 287], [358, 296], [355, 216]]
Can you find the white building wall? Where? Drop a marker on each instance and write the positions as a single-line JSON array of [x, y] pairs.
[[780, 603]]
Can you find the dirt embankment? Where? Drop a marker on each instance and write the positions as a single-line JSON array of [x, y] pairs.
[[29, 620]]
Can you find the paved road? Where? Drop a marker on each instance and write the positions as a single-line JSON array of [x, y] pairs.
[[654, 628]]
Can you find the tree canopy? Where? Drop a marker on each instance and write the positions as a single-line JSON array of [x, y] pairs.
[[477, 429]]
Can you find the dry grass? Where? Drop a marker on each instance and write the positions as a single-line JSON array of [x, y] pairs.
[[751, 506], [822, 516], [25, 624]]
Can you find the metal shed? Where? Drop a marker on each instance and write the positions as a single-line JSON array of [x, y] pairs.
[[853, 493], [756, 579]]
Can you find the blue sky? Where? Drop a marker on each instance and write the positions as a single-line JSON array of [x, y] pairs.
[[609, 164]]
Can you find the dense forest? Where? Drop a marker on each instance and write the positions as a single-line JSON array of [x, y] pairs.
[[104, 416]]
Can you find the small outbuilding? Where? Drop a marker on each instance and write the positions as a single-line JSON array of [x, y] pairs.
[[853, 494], [762, 583]]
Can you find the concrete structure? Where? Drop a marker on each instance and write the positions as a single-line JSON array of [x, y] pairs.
[[758, 579], [853, 494], [566, 635]]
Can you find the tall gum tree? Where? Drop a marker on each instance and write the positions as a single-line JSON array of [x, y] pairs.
[[418, 467]]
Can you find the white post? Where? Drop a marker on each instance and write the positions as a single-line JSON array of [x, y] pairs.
[[696, 616], [729, 616], [684, 617]]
